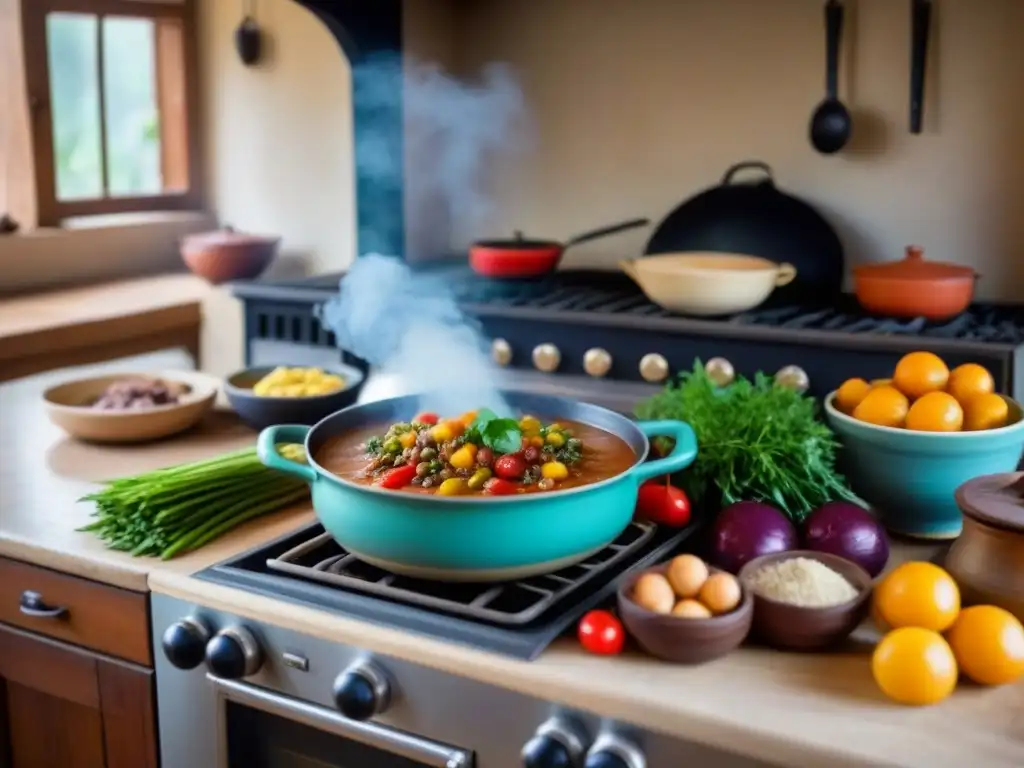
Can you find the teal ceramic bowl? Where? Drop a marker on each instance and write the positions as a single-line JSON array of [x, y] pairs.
[[473, 538], [910, 477]]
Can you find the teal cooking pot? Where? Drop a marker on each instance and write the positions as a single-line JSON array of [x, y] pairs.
[[469, 538]]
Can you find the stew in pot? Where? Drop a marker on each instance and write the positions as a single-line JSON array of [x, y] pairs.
[[478, 453]]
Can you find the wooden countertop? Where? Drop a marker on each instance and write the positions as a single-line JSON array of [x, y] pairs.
[[788, 709], [43, 473], [71, 326]]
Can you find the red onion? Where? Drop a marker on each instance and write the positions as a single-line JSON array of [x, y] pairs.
[[850, 531], [749, 529]]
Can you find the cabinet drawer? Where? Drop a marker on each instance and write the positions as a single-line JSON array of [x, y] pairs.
[[107, 619]]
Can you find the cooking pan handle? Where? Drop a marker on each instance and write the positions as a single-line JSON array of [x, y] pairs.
[[748, 165], [266, 448], [594, 234], [684, 449]]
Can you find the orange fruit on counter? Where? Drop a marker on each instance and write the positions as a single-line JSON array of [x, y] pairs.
[[914, 666], [935, 412], [882, 406], [850, 393], [968, 380], [881, 382], [986, 411], [988, 643], [917, 594], [919, 373]]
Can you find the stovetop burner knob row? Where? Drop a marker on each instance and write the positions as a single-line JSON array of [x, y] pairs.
[[560, 743], [232, 653]]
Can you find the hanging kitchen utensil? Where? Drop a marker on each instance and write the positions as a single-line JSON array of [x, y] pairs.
[[522, 257], [920, 29], [249, 37], [758, 219], [913, 287], [831, 122]]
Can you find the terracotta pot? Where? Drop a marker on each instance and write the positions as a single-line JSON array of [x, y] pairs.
[[913, 287], [228, 255], [987, 560]]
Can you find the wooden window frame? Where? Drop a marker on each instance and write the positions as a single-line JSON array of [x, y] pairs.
[[179, 139]]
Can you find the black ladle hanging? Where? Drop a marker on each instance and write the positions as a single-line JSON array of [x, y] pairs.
[[248, 37], [920, 26], [831, 122]]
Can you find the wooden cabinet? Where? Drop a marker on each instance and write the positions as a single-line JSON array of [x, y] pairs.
[[67, 706]]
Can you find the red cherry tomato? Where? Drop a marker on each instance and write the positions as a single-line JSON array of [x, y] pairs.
[[426, 418], [399, 477], [601, 633], [496, 486], [663, 504], [511, 466]]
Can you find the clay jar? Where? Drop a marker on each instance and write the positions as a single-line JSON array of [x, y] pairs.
[[987, 560], [914, 287]]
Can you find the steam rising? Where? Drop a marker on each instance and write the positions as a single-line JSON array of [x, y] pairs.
[[407, 325]]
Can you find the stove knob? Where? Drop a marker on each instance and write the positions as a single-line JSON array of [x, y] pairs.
[[611, 751], [233, 653], [794, 377], [184, 643], [501, 352], [558, 743], [720, 371], [597, 362], [654, 368], [546, 358], [362, 691]]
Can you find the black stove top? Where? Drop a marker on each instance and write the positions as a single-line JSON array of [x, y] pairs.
[[613, 294], [517, 619]]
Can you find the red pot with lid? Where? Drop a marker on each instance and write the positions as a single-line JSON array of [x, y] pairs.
[[524, 257], [915, 287], [227, 254]]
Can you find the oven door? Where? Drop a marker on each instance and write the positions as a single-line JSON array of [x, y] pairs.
[[263, 729]]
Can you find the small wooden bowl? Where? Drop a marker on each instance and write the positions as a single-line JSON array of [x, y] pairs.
[[792, 627], [69, 406], [680, 640]]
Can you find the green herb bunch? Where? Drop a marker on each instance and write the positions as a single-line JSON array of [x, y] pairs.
[[757, 441]]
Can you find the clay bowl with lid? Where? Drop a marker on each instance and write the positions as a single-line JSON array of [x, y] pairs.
[[798, 628], [987, 560], [682, 640], [914, 287], [227, 254]]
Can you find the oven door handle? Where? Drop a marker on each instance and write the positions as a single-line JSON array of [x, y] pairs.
[[399, 743]]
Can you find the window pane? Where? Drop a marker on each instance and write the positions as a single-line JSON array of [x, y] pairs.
[[132, 118], [75, 103]]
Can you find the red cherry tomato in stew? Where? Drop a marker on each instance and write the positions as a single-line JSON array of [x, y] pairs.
[[399, 477], [511, 466], [498, 487], [663, 504], [601, 633], [426, 418]]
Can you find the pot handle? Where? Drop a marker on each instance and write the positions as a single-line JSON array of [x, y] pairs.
[[684, 451], [628, 266], [747, 165], [785, 275], [266, 449]]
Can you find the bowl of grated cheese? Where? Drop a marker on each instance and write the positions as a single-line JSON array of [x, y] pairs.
[[804, 600]]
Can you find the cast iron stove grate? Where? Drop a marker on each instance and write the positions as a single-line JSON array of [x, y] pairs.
[[519, 622], [323, 560], [612, 295]]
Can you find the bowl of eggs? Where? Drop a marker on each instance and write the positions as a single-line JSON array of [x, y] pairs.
[[264, 397], [685, 611]]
